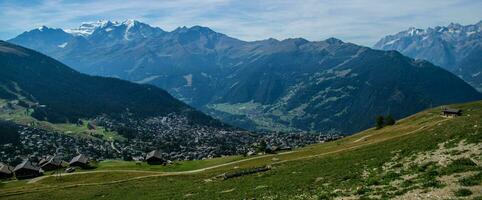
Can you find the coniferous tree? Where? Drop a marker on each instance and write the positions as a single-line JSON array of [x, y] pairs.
[[380, 122], [389, 120]]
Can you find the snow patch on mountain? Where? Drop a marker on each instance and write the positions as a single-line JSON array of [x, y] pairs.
[[148, 79], [87, 28], [391, 42], [42, 28], [188, 79], [63, 45], [129, 24]]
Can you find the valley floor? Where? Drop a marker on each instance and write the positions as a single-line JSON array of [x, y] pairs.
[[424, 156]]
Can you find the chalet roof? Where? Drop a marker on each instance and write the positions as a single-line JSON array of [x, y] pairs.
[[45, 160], [154, 154], [42, 161], [81, 158], [451, 110], [55, 160], [6, 169], [26, 165]]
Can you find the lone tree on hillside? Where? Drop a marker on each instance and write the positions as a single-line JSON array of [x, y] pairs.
[[385, 121], [380, 122], [389, 120]]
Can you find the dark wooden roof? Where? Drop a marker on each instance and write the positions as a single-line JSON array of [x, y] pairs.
[[26, 165], [54, 160], [154, 154], [81, 158], [5, 169], [43, 160], [454, 111]]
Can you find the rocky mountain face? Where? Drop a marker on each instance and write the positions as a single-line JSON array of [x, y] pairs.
[[455, 47], [288, 85]]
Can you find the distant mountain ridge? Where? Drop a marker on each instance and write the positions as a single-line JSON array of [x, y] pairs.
[[455, 47], [288, 85]]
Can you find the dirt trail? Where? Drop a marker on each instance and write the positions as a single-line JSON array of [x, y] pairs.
[[157, 173], [367, 136], [362, 138], [353, 147]]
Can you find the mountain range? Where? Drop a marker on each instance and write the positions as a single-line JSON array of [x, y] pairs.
[[60, 94], [455, 47], [287, 85]]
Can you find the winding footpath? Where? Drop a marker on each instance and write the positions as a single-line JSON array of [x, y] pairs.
[[157, 173]]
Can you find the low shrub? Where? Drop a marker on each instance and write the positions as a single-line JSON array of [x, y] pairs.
[[463, 192], [471, 180]]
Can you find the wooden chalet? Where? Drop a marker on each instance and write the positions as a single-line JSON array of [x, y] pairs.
[[51, 163], [6, 171], [27, 170], [79, 161], [91, 126], [451, 112], [155, 158]]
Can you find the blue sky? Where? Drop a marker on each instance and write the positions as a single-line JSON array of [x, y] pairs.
[[358, 21]]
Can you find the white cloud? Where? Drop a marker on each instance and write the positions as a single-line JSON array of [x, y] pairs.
[[358, 21]]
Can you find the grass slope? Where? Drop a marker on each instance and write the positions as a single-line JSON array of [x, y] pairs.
[[21, 115], [423, 156]]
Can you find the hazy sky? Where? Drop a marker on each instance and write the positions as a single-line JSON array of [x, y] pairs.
[[358, 21]]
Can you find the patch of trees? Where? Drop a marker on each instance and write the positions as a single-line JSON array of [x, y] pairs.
[[127, 132], [9, 132], [382, 121]]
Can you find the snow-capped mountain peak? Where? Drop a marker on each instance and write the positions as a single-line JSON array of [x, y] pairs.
[[454, 47], [87, 28], [130, 22], [42, 28], [129, 28], [415, 31], [451, 33]]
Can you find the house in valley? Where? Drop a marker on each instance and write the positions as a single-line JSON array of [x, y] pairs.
[[51, 163], [79, 161], [6, 171], [27, 169], [91, 126], [155, 158], [451, 112]]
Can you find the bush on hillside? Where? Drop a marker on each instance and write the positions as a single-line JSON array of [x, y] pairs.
[[389, 120], [380, 122]]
